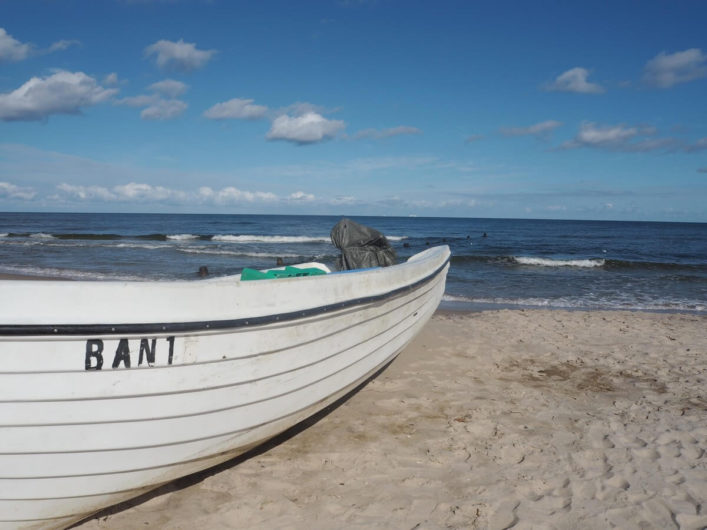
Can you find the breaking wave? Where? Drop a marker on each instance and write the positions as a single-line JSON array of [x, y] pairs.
[[223, 252], [547, 262], [587, 263], [619, 304], [182, 237], [269, 239], [67, 274], [230, 238]]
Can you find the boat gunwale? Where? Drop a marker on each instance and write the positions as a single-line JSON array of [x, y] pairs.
[[59, 330]]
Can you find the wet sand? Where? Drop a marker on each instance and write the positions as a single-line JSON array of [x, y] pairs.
[[4, 276], [497, 419]]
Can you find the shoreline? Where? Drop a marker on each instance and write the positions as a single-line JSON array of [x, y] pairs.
[[490, 419], [474, 307], [8, 276], [454, 303]]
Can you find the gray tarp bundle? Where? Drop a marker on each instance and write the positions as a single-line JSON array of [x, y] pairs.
[[361, 247]]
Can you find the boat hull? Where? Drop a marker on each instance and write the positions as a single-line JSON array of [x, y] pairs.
[[96, 409]]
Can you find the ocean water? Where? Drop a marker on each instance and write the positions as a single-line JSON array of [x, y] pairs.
[[495, 262]]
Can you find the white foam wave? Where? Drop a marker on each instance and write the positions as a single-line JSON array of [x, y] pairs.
[[396, 238], [523, 302], [582, 304], [4, 234], [41, 235], [221, 252], [148, 246], [454, 298], [69, 244], [21, 243], [182, 237], [269, 239], [66, 274], [547, 262]]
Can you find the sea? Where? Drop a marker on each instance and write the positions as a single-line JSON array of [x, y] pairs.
[[496, 263]]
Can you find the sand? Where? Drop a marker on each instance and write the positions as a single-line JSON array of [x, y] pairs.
[[498, 419]]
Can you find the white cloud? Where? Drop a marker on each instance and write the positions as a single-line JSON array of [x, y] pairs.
[[305, 129], [539, 129], [575, 80], [179, 56], [111, 79], [666, 70], [137, 191], [87, 192], [11, 49], [699, 145], [62, 45], [61, 93], [132, 191], [236, 109], [231, 194], [156, 106], [142, 192], [591, 134], [13, 191], [474, 138], [301, 196], [164, 109], [169, 88], [387, 133], [619, 138]]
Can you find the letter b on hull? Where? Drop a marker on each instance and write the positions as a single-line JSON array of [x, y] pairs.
[[94, 350]]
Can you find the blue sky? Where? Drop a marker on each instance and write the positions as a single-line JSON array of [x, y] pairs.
[[570, 110]]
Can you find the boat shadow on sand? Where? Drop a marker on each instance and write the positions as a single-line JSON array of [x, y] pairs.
[[195, 478]]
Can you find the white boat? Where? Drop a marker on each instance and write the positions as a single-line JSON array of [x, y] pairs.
[[110, 389]]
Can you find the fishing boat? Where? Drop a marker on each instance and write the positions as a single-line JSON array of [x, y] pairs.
[[110, 389]]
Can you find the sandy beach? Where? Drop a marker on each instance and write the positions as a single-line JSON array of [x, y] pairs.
[[496, 419]]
